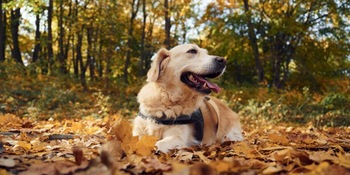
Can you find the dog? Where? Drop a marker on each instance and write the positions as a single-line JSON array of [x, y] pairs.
[[174, 103]]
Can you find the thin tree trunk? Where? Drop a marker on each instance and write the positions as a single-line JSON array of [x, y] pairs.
[[61, 59], [89, 53], [15, 21], [100, 58], [2, 32], [67, 44], [143, 38], [49, 35], [130, 38], [253, 42], [75, 60], [149, 35], [37, 46], [108, 66], [80, 60], [167, 24]]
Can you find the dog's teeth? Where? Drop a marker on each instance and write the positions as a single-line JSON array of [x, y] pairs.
[[191, 77]]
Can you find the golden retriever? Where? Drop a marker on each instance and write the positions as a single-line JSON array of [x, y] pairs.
[[174, 105]]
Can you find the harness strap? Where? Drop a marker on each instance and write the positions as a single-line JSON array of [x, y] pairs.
[[196, 118], [216, 109], [213, 104]]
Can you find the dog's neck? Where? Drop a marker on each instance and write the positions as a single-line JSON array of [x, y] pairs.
[[156, 100]]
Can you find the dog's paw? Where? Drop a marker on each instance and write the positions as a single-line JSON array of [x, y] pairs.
[[168, 143], [235, 134]]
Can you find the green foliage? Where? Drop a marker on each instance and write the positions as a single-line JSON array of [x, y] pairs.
[[51, 98], [335, 101], [300, 42], [257, 105]]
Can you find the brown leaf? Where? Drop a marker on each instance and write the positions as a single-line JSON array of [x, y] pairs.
[[152, 164], [320, 156], [221, 166], [272, 169], [78, 155], [202, 169]]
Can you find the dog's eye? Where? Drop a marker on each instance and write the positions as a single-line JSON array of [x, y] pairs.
[[193, 51]]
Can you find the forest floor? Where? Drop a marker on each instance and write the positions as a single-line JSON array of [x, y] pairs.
[[74, 146], [48, 125]]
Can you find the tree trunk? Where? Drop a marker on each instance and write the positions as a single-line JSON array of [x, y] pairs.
[[49, 35], [278, 54], [108, 67], [15, 21], [253, 42], [70, 34], [75, 60], [130, 38], [79, 58], [2, 32], [143, 38], [61, 59], [150, 49], [100, 60], [37, 46], [167, 24], [89, 53]]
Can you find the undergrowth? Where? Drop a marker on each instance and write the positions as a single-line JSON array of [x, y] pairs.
[[259, 105]]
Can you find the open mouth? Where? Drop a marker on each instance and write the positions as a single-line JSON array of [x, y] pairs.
[[200, 82]]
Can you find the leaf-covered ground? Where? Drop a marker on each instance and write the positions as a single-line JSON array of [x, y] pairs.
[[73, 146]]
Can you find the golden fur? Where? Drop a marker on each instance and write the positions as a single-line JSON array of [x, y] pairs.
[[166, 94]]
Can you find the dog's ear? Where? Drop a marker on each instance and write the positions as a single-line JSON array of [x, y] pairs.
[[156, 67]]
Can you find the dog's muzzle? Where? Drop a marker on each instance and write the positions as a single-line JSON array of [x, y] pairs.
[[200, 82]]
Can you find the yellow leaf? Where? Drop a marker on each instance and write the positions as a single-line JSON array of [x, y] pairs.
[[272, 170], [278, 138], [282, 155], [243, 149], [221, 166], [25, 145], [344, 160], [319, 169], [145, 145]]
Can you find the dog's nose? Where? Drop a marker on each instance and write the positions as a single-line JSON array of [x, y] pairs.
[[220, 60]]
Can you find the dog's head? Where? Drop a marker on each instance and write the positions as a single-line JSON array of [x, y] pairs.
[[188, 64]]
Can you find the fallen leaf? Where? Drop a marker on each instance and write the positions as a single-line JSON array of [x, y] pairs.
[[272, 169], [221, 166], [7, 162]]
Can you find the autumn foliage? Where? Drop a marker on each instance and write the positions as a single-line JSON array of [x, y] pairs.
[[74, 147]]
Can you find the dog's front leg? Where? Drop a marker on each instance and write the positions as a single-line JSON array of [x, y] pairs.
[[175, 137]]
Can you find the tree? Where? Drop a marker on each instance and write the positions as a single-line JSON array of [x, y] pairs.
[[49, 35], [167, 24], [143, 38], [253, 42], [61, 53], [134, 10], [15, 22], [290, 38], [2, 31], [37, 46]]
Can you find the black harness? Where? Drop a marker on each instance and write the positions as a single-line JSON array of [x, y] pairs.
[[196, 118]]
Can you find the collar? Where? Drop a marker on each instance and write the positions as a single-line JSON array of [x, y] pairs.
[[196, 118]]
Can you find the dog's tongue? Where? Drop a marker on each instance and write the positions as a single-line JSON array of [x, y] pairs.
[[214, 87]]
